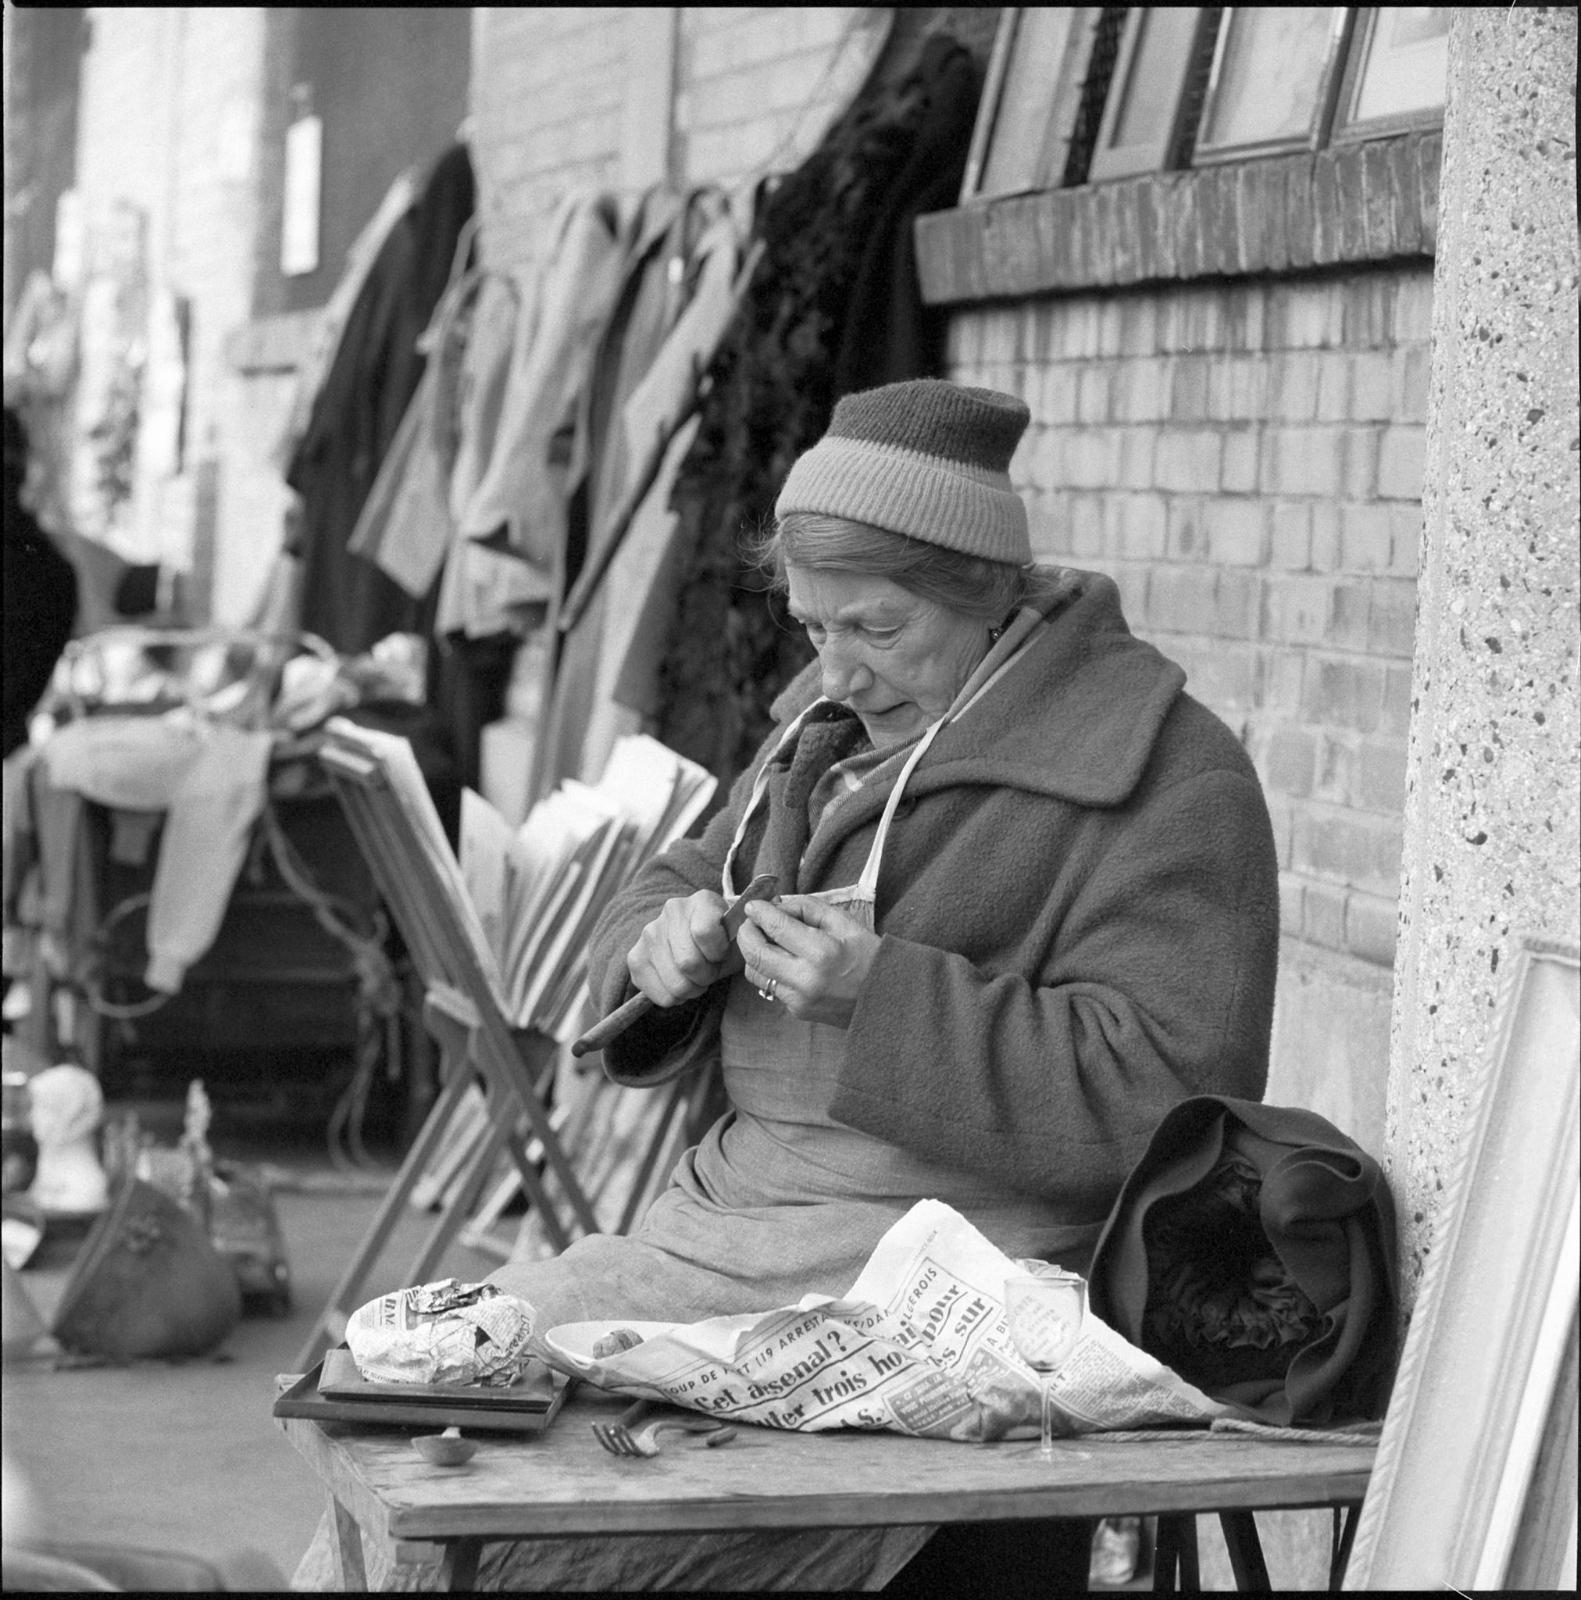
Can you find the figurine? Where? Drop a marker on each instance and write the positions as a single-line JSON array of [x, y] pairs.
[[66, 1106]]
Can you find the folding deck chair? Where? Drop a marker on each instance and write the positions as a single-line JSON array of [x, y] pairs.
[[516, 1067]]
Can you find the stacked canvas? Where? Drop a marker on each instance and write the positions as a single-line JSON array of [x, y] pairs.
[[530, 896]]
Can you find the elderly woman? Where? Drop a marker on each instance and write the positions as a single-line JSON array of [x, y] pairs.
[[1028, 903]]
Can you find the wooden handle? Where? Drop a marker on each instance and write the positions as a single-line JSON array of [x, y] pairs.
[[613, 1025]]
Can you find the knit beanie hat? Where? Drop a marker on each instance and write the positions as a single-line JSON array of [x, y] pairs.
[[925, 458]]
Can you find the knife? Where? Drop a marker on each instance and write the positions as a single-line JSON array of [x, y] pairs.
[[762, 887]]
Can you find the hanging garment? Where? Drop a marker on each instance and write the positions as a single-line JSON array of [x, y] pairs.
[[208, 778], [772, 390], [639, 601], [482, 591], [40, 596], [889, 334], [405, 526], [520, 500], [40, 368], [106, 407], [159, 537], [358, 412], [685, 250], [330, 323]]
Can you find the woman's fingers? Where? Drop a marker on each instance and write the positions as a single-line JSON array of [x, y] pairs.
[[816, 913], [817, 971], [682, 951], [788, 932]]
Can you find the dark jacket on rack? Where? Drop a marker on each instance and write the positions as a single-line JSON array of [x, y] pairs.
[[357, 413], [889, 334], [773, 385]]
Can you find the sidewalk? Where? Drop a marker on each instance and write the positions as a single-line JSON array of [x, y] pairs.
[[184, 1456]]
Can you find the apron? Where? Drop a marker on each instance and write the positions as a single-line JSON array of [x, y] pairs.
[[782, 1146], [778, 1199]]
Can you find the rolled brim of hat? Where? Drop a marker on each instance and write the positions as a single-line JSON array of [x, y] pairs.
[[954, 504]]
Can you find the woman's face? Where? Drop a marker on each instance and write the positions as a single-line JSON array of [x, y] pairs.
[[897, 660]]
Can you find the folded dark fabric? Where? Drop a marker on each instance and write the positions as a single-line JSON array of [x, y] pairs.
[[1252, 1250]]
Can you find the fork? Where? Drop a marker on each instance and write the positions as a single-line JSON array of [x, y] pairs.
[[616, 1436], [619, 1439]]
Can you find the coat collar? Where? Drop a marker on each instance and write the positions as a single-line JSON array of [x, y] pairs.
[[1075, 718]]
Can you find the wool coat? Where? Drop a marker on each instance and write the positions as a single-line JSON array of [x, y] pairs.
[[1077, 910]]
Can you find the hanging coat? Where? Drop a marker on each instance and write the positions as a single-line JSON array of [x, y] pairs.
[[346, 600], [771, 392]]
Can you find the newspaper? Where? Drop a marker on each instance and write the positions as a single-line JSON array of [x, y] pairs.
[[445, 1332], [919, 1345]]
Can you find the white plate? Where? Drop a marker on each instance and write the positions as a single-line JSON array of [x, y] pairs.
[[575, 1340]]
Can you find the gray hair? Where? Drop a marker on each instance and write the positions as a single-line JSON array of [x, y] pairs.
[[967, 585]]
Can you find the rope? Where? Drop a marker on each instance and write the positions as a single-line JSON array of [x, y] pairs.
[[1224, 1425], [378, 992], [88, 975]]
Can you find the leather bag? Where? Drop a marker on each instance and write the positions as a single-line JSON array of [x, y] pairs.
[[147, 1283]]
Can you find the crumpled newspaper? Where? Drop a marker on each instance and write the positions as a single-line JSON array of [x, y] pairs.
[[444, 1332]]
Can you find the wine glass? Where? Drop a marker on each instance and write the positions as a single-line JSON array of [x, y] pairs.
[[1044, 1318]]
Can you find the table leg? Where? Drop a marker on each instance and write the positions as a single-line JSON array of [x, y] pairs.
[[1345, 1519], [1246, 1552], [346, 1538], [1175, 1553], [459, 1567]]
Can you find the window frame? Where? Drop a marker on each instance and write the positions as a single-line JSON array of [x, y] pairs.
[[1155, 155], [1054, 133], [1341, 28], [1345, 130]]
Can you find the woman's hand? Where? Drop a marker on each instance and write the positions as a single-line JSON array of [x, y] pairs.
[[683, 950], [818, 957]]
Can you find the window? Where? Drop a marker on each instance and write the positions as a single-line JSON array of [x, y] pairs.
[[1032, 100], [1397, 73], [1149, 88], [1271, 87], [1144, 117]]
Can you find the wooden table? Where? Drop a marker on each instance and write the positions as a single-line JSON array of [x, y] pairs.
[[561, 1482]]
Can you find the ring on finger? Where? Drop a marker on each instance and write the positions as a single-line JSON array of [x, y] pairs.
[[768, 989]]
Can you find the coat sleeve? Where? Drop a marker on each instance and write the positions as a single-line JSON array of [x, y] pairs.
[[1157, 984], [664, 1043]]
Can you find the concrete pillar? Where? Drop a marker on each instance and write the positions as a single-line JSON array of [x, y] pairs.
[[1491, 838]]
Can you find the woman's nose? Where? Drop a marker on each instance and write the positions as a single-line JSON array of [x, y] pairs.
[[844, 671]]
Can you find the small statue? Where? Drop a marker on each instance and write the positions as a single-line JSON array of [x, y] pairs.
[[66, 1106], [198, 1186]]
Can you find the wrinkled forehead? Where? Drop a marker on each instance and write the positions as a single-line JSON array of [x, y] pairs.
[[830, 595]]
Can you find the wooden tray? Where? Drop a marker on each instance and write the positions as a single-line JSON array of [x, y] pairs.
[[535, 1405]]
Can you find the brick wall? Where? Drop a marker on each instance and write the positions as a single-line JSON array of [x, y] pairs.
[[755, 88], [760, 84], [1245, 459], [547, 88]]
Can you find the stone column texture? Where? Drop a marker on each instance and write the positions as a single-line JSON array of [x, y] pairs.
[[1491, 838]]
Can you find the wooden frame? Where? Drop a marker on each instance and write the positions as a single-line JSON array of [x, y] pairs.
[[1476, 1462], [1367, 54], [1172, 35], [1031, 99], [1327, 28], [515, 1068]]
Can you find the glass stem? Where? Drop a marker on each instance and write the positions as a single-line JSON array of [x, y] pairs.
[[1046, 1453]]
